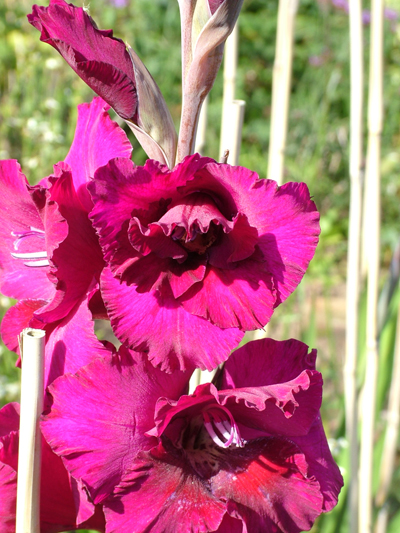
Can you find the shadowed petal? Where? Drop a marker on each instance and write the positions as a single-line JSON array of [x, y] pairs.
[[171, 498], [273, 488], [78, 259]]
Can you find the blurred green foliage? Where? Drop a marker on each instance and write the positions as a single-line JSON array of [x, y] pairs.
[[39, 94]]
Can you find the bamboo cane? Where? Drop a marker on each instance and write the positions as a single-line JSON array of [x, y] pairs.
[[29, 452], [353, 252], [281, 81], [201, 134], [230, 73], [234, 122], [375, 113], [390, 443]]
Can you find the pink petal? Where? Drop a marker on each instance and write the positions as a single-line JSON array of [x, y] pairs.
[[241, 298], [285, 217], [170, 498], [97, 140], [78, 259], [8, 498], [285, 408], [9, 418], [112, 409], [136, 316], [21, 231], [321, 464]]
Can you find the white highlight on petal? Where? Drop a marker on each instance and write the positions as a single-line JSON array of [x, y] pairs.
[[30, 255]]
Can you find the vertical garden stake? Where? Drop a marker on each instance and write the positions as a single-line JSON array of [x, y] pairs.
[[353, 251], [375, 112], [230, 73], [29, 453], [281, 81]]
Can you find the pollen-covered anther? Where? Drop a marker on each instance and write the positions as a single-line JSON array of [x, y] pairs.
[[221, 427]]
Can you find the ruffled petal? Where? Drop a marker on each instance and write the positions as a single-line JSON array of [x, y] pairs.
[[266, 362], [136, 316]]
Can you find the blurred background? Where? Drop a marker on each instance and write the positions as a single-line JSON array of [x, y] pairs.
[[39, 94]]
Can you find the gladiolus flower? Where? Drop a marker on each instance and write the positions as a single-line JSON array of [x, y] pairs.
[[197, 255], [250, 455]]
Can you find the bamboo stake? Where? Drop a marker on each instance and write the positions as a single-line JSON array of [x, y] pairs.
[[201, 134], [29, 452], [375, 112], [233, 140], [353, 252], [281, 82], [230, 73], [390, 444]]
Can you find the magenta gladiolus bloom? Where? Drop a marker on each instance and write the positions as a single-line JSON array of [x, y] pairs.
[[50, 256], [198, 254], [250, 455], [64, 504]]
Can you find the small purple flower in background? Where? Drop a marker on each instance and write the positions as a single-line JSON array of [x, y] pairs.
[[64, 502], [50, 256], [198, 254], [389, 14], [119, 3], [113, 71], [247, 455]]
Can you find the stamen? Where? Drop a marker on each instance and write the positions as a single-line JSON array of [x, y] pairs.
[[221, 427]]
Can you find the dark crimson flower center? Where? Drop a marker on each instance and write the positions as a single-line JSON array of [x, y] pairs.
[[199, 241], [206, 437]]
